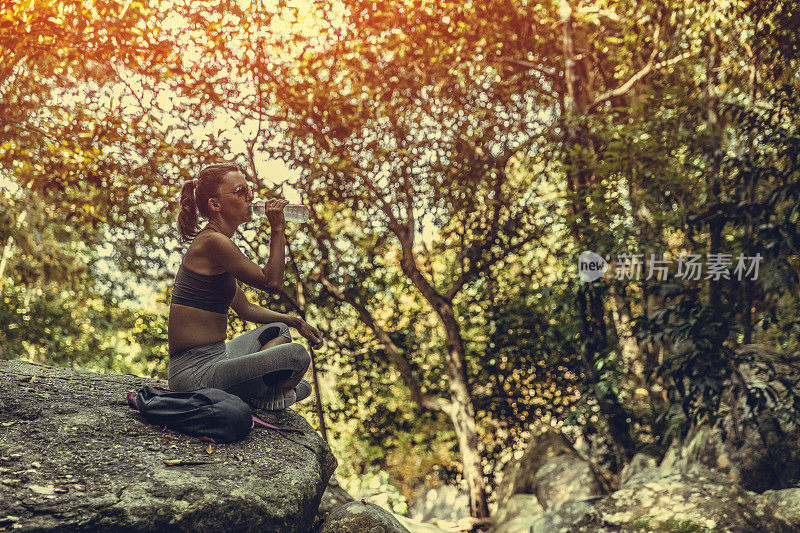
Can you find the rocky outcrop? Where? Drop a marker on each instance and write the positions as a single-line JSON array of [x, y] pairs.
[[447, 502], [757, 448], [519, 511], [336, 496], [701, 500], [75, 457], [358, 516], [649, 498], [552, 470], [549, 487], [786, 503], [639, 463], [524, 514], [333, 497]]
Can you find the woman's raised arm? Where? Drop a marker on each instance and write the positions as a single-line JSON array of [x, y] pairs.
[[222, 251]]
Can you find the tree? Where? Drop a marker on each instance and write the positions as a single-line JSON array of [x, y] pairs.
[[448, 150]]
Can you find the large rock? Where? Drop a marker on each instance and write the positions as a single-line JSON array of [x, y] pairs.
[[552, 470], [333, 497], [523, 514], [698, 500], [760, 450], [517, 515], [446, 502], [786, 503], [639, 463], [75, 457], [415, 526], [358, 517], [649, 499], [561, 517]]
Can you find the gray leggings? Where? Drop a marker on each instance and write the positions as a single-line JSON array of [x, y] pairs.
[[240, 366]]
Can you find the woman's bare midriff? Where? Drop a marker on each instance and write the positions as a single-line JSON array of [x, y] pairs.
[[190, 327]]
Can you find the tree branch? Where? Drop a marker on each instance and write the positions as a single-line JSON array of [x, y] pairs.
[[625, 87], [552, 74], [478, 268], [423, 400]]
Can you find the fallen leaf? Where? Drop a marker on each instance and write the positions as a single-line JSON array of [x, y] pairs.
[[36, 464], [172, 462], [5, 458], [11, 482], [79, 488], [6, 424], [41, 489], [208, 449], [239, 457], [166, 439]]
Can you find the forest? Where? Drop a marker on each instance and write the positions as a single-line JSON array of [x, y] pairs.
[[577, 213]]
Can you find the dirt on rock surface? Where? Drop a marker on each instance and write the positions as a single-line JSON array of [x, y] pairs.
[[75, 457]]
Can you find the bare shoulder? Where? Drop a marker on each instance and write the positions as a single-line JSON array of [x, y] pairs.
[[221, 252], [212, 238], [214, 243], [205, 251]]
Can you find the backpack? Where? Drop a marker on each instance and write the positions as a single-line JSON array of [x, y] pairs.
[[210, 414]]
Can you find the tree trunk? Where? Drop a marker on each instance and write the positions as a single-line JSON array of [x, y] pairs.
[[463, 416], [8, 249], [590, 302], [714, 191], [462, 410], [610, 407], [4, 260], [629, 349], [748, 286]]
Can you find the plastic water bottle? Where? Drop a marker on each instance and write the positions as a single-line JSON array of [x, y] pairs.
[[292, 212]]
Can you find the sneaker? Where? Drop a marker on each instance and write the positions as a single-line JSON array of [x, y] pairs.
[[303, 390], [274, 399]]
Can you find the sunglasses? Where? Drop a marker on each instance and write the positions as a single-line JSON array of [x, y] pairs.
[[242, 191]]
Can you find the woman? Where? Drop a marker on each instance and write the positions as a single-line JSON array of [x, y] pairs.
[[262, 366]]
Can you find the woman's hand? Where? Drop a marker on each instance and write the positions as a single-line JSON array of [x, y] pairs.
[[274, 209], [311, 334]]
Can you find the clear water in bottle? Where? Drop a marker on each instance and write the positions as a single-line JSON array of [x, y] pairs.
[[295, 213], [292, 212]]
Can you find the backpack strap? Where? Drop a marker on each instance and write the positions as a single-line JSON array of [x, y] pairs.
[[132, 401], [260, 422], [131, 397]]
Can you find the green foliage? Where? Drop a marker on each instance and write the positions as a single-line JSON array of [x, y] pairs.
[[457, 158]]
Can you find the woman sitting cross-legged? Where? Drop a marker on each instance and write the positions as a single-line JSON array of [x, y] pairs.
[[262, 366]]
